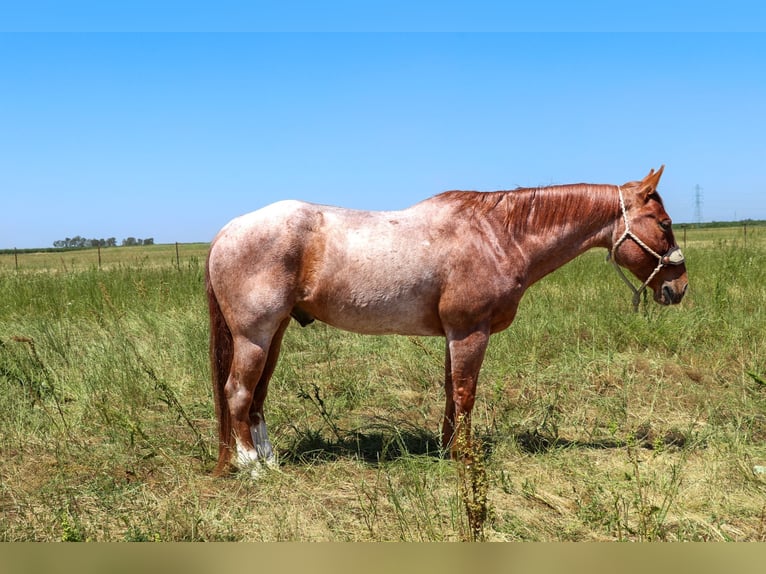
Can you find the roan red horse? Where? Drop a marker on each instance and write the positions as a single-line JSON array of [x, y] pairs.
[[455, 266]]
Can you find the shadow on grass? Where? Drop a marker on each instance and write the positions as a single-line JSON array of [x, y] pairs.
[[385, 441], [536, 442], [376, 442], [373, 443]]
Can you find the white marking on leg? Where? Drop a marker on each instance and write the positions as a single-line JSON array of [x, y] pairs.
[[247, 460]]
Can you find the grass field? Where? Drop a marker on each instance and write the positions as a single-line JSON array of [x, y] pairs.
[[596, 423]]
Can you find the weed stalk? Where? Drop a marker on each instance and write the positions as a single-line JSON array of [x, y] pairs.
[[473, 482]]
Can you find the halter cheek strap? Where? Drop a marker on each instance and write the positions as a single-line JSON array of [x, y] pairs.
[[673, 257]]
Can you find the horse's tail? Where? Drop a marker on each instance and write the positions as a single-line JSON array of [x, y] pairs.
[[221, 353]]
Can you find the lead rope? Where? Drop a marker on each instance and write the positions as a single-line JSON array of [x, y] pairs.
[[661, 261]]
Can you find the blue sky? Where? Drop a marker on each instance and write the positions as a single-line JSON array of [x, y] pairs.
[[169, 135]]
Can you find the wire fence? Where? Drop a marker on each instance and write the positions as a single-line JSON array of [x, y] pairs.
[[66, 260]]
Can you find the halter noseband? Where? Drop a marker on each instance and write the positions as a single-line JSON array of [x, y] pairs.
[[674, 256]]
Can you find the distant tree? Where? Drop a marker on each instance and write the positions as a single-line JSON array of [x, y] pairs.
[[81, 242]]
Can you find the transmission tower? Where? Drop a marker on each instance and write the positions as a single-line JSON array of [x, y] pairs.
[[698, 204]]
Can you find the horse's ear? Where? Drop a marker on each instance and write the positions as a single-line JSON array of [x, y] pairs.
[[649, 184]]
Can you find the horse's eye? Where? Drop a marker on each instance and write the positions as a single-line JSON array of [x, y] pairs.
[[665, 224]]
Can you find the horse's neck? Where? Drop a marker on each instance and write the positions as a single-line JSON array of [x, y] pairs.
[[582, 219]]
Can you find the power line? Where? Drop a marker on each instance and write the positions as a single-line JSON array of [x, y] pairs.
[[698, 204]]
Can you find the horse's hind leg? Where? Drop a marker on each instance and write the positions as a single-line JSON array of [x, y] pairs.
[[249, 365], [258, 431]]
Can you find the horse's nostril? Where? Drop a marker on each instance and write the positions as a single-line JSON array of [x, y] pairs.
[[668, 294]]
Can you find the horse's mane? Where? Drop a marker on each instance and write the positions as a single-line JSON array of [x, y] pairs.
[[544, 208]]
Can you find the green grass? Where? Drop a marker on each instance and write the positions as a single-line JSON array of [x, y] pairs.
[[596, 423]]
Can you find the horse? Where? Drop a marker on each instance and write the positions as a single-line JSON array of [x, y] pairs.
[[455, 266]]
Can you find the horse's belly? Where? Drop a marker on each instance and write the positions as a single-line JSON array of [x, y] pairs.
[[371, 324], [378, 317]]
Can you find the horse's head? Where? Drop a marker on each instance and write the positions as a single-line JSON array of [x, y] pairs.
[[643, 242]]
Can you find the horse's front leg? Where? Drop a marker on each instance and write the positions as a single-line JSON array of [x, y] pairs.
[[464, 356]]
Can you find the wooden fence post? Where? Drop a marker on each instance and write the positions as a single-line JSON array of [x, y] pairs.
[[178, 258], [16, 257]]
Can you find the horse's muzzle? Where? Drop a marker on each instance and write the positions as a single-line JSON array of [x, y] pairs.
[[671, 292]]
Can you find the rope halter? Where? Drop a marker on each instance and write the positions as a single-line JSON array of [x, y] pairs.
[[674, 256]]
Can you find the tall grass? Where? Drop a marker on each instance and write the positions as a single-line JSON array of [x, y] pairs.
[[595, 423]]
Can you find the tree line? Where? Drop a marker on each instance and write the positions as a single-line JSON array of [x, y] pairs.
[[78, 242]]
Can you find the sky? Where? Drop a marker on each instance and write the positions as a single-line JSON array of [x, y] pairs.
[[163, 120]]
